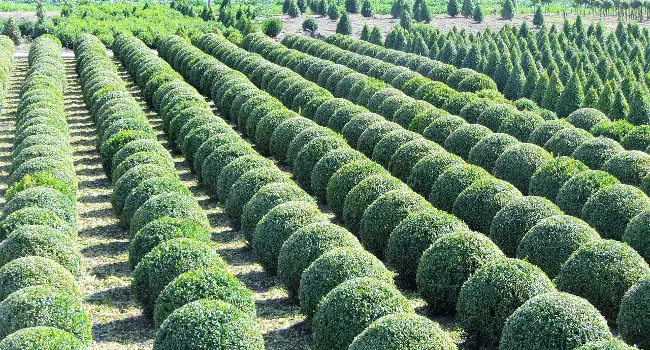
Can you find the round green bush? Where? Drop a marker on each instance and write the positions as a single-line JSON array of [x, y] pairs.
[[278, 225], [512, 222], [384, 214], [44, 306], [345, 179], [546, 130], [41, 241], [310, 154], [407, 155], [485, 152], [616, 130], [343, 115], [267, 127], [147, 189], [193, 285], [327, 110], [303, 137], [463, 139], [439, 129], [479, 203], [44, 198], [494, 115], [566, 141], [245, 188], [353, 129], [403, 331], [552, 321], [521, 124], [638, 138], [162, 230], [427, 170], [493, 293], [452, 182], [636, 234], [284, 135], [597, 151], [611, 208], [165, 262], [168, 204], [133, 178], [586, 118], [41, 338], [351, 307], [35, 270], [328, 165], [235, 169], [634, 315], [519, 162], [208, 324], [219, 159], [334, 267], [552, 240], [136, 146], [373, 134], [141, 158], [389, 144], [629, 167], [34, 216], [601, 272], [305, 246], [575, 192], [405, 114], [448, 263], [613, 344], [363, 195], [456, 102]]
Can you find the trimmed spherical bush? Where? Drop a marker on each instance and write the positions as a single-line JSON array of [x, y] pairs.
[[285, 133], [493, 293], [519, 162], [389, 144], [597, 151], [167, 261], [512, 222], [486, 151], [133, 178], [219, 159], [334, 267], [546, 130], [305, 246], [168, 204], [41, 338], [343, 115], [613, 344], [35, 270], [551, 242], [245, 188], [141, 158], [629, 167], [463, 139], [452, 182], [636, 234], [34, 216], [363, 195], [208, 324], [44, 306], [566, 141], [41, 241], [601, 272], [344, 179], [44, 198], [403, 331], [521, 124], [384, 214], [147, 189], [426, 171], [575, 192], [351, 307], [448, 263], [616, 130], [212, 283], [162, 230], [310, 154], [634, 316], [439, 129], [328, 165], [553, 321], [494, 115], [638, 138], [303, 137], [235, 169], [479, 203], [373, 134], [406, 156], [456, 102], [327, 110], [611, 208], [586, 118], [278, 225]]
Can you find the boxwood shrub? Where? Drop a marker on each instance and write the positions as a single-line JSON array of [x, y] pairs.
[[493, 293], [133, 178], [611, 208], [389, 144], [597, 151], [44, 198], [636, 234], [35, 270], [328, 165], [373, 134], [142, 158], [451, 182], [494, 115], [638, 138], [613, 344], [351, 307], [616, 130], [578, 189], [427, 170], [439, 129], [586, 118], [235, 169], [407, 155], [41, 338], [34, 216], [285, 133], [546, 130], [566, 141], [485, 152], [634, 316], [519, 162], [630, 167], [551, 321], [463, 139], [363, 195], [248, 184], [345, 178]]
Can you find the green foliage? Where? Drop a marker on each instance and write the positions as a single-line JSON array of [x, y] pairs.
[[367, 11], [586, 118], [35, 270], [345, 178], [478, 14], [538, 19], [597, 151], [519, 162], [363, 195], [551, 176], [633, 318], [452, 8], [611, 208], [41, 338], [463, 139], [272, 27], [310, 25], [566, 141], [571, 99], [352, 6], [629, 167], [579, 188]]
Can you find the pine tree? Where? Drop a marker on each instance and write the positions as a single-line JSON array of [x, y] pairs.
[[591, 98], [571, 98], [396, 9], [473, 58], [375, 36], [294, 10], [552, 93], [502, 72], [285, 6], [365, 32], [448, 53], [344, 26], [416, 9], [352, 6], [367, 10], [478, 14], [619, 108], [322, 8], [529, 86], [302, 5], [540, 89], [425, 14], [467, 9], [419, 46], [605, 98], [40, 11], [405, 19], [333, 12], [538, 20], [515, 83], [508, 10], [452, 8], [639, 106]]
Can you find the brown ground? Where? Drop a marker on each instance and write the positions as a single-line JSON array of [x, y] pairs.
[[24, 15]]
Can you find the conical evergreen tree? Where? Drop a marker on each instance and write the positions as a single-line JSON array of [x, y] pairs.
[[478, 14], [448, 53], [467, 9], [365, 33], [491, 64], [285, 6], [531, 82], [571, 98], [396, 9], [605, 98], [591, 98], [538, 19], [419, 46], [366, 9], [508, 10], [322, 8], [333, 12], [375, 36], [425, 14], [594, 82], [302, 5], [294, 10], [552, 93], [352, 6], [515, 83], [344, 26], [639, 107], [473, 58], [619, 108], [405, 19], [540, 89], [452, 8], [502, 72]]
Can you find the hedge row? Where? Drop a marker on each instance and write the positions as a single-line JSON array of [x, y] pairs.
[[416, 223], [40, 301], [7, 50], [322, 264], [178, 279]]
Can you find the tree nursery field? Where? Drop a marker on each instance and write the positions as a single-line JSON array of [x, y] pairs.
[[322, 175]]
